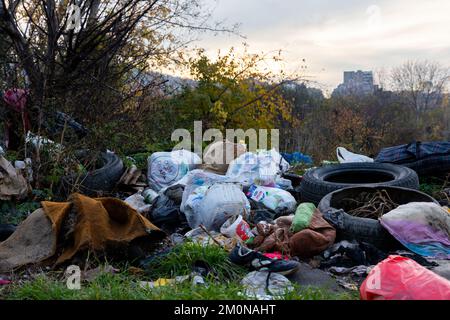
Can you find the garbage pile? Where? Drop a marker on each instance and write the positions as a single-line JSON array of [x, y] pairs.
[[360, 222]]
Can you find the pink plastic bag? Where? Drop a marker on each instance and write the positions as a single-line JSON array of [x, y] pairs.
[[400, 278]]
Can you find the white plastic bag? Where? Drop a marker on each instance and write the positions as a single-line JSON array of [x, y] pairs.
[[167, 168], [197, 178], [260, 168], [218, 203], [345, 156], [275, 199], [137, 202], [264, 285]]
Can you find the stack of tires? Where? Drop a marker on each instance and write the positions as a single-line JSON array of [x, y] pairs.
[[329, 185]]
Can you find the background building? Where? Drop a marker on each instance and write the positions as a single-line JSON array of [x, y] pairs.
[[356, 83]]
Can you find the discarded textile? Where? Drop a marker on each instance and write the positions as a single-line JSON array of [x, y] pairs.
[[303, 216], [263, 285], [61, 230], [12, 183], [350, 254], [314, 239], [167, 168], [422, 227], [218, 156], [359, 271], [32, 242], [100, 224], [417, 258], [400, 278], [423, 157]]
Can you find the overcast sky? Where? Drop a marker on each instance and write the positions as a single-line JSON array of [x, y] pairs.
[[337, 35]]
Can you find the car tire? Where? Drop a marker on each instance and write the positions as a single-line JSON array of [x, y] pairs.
[[367, 230], [318, 182], [101, 180]]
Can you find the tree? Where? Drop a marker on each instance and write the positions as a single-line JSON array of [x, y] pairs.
[[91, 71], [235, 91], [421, 83]]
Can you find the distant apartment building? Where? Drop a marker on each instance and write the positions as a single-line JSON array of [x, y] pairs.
[[356, 83]]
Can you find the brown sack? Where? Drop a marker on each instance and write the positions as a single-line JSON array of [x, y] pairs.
[[218, 156], [32, 242], [100, 223], [278, 240], [313, 240], [95, 224]]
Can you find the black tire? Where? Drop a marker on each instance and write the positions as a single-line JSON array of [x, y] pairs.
[[366, 230], [318, 182], [101, 180]]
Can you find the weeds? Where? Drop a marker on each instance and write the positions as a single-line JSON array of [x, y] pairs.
[[123, 286], [184, 258]]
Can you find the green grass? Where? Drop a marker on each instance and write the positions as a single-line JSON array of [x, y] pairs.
[[126, 287], [182, 259], [222, 281]]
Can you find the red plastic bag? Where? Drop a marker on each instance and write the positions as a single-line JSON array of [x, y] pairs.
[[400, 278]]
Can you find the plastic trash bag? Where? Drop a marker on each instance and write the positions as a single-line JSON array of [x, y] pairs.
[[192, 206], [282, 183], [278, 200], [303, 216], [400, 278], [137, 202], [422, 227], [165, 212], [167, 168], [264, 285], [297, 157], [345, 156], [260, 168], [197, 178], [220, 202]]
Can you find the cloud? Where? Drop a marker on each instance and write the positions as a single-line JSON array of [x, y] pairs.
[[334, 36]]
